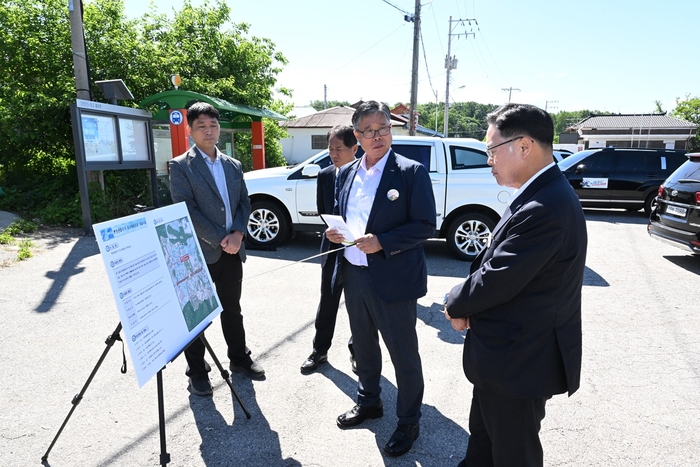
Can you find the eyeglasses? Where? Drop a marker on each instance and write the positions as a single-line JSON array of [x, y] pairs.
[[369, 134], [489, 149]]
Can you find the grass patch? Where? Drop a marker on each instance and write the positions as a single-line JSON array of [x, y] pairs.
[[18, 227], [6, 239], [24, 249]]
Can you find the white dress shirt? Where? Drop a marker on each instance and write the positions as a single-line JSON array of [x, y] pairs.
[[217, 171], [360, 200]]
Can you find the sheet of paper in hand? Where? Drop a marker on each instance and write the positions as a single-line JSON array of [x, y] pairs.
[[337, 223]]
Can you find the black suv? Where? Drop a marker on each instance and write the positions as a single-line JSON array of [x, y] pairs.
[[676, 219], [620, 177]]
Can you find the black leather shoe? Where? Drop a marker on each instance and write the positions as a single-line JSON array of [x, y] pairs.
[[311, 363], [358, 414], [200, 387], [252, 370], [402, 440], [353, 362]]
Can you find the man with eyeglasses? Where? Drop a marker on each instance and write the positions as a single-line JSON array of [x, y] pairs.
[[521, 303], [387, 203]]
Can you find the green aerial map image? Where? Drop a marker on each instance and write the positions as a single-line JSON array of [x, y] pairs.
[[187, 271]]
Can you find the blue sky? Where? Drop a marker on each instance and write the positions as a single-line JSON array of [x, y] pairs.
[[610, 55]]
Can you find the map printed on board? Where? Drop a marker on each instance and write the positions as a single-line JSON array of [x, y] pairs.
[[187, 270]]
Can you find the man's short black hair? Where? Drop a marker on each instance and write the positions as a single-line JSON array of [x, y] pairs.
[[368, 108], [201, 108], [344, 133], [513, 120]]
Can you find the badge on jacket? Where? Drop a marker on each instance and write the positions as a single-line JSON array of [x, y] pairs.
[[392, 194]]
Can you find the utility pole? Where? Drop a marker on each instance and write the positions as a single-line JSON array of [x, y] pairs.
[[546, 104], [414, 71], [82, 84], [436, 111], [451, 62], [510, 90], [82, 81], [325, 101]]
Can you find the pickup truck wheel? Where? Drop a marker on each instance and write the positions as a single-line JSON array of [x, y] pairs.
[[469, 234], [267, 225]]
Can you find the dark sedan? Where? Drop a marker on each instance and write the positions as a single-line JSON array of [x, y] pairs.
[[676, 219]]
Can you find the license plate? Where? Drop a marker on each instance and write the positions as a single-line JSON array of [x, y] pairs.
[[676, 211]]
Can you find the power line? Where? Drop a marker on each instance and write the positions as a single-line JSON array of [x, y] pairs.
[[478, 28], [408, 17], [425, 58]]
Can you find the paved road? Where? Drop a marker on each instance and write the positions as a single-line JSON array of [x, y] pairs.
[[639, 404]]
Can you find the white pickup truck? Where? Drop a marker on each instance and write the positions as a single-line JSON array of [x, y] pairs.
[[469, 202]]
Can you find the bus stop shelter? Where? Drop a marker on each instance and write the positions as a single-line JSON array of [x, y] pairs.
[[171, 115]]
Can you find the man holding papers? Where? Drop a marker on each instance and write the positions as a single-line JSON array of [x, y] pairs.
[[387, 202]]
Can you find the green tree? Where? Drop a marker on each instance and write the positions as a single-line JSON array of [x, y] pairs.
[[688, 109], [466, 119], [318, 105], [37, 167], [35, 85]]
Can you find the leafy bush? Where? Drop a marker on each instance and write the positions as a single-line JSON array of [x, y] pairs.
[[213, 55], [20, 226]]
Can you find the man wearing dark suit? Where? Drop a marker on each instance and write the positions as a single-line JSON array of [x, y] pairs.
[[211, 185], [342, 146], [521, 302], [387, 203]]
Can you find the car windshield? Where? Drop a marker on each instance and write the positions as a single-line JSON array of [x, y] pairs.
[[574, 159]]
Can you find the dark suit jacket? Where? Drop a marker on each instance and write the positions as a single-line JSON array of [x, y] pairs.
[[325, 200], [192, 182], [398, 271], [523, 296]]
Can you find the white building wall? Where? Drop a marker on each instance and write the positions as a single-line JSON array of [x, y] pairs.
[[297, 148]]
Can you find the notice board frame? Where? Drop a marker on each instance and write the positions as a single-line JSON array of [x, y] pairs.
[[111, 137]]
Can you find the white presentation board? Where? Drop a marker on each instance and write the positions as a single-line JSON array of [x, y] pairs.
[[160, 282]]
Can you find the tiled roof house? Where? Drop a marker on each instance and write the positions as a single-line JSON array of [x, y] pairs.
[[634, 130]]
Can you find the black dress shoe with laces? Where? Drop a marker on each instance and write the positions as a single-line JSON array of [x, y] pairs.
[[252, 370], [358, 414], [402, 440], [311, 363]]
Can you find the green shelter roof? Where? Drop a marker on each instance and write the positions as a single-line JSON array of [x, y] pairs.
[[177, 99]]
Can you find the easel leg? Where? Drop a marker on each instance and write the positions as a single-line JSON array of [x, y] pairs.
[[77, 398], [224, 374], [164, 456]]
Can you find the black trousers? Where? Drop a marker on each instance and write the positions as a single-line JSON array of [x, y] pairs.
[[226, 273], [396, 321], [327, 312], [504, 432]]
